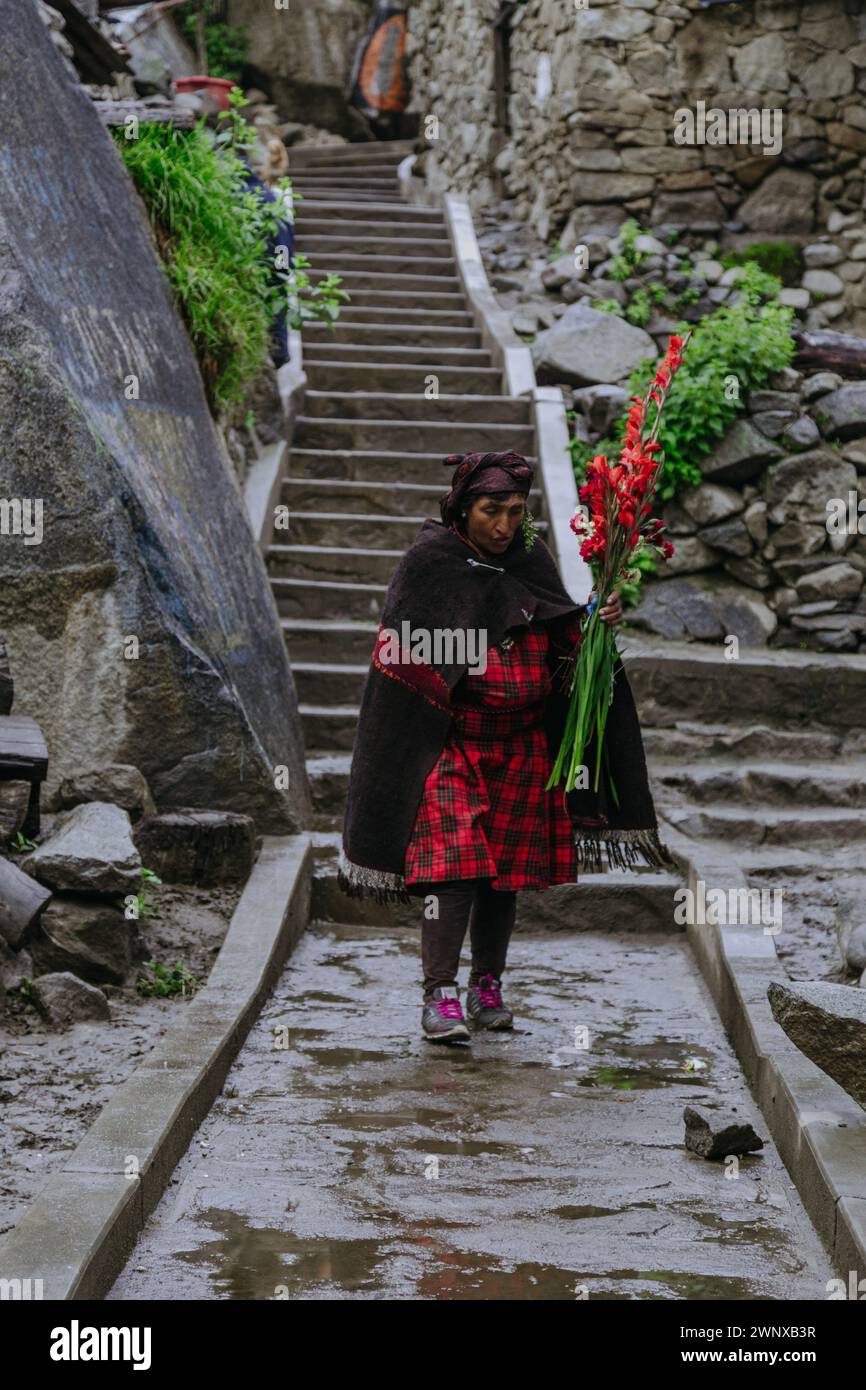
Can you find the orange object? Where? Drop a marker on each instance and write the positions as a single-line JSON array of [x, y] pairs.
[[219, 87]]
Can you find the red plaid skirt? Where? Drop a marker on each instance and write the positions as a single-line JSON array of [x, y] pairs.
[[484, 811]]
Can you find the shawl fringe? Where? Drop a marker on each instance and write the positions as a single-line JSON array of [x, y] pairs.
[[625, 849], [359, 881]]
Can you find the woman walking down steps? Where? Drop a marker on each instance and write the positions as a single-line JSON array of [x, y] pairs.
[[446, 796]]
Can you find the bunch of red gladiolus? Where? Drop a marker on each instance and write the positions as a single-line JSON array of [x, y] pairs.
[[614, 524]]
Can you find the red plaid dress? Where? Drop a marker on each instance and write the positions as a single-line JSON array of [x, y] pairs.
[[484, 810]]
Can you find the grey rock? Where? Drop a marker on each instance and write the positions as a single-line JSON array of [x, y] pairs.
[[772, 423], [586, 347], [89, 937], [746, 616], [731, 537], [194, 846], [741, 453], [785, 198], [601, 405], [786, 379], [802, 433], [559, 272], [828, 1024], [710, 502], [677, 521], [772, 400], [794, 298], [14, 966], [755, 517], [690, 555], [63, 1000], [833, 581], [751, 571], [678, 609], [790, 485], [855, 948], [821, 255], [90, 849], [118, 783], [842, 413], [823, 282], [820, 385], [711, 1137], [212, 690]]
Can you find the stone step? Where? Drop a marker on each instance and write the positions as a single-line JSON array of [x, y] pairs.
[[338, 563], [323, 599], [397, 334], [444, 436], [395, 499], [760, 825], [378, 300], [381, 185], [699, 742], [335, 192], [390, 263], [347, 209], [353, 245], [368, 354], [351, 172], [367, 377], [329, 726], [328, 775], [365, 226], [353, 280], [329, 640], [327, 682], [360, 530], [357, 149], [784, 866], [381, 465], [774, 783], [413, 405], [376, 313]]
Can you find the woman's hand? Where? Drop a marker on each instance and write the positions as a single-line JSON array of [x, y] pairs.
[[612, 611]]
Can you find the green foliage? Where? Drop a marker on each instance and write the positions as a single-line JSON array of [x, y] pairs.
[[607, 306], [21, 844], [645, 564], [781, 259], [227, 46], [639, 310], [142, 897], [212, 234], [166, 980], [746, 342]]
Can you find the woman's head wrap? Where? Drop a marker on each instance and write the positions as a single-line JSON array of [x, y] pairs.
[[480, 474]]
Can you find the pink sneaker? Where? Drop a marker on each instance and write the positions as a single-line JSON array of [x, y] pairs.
[[442, 1017]]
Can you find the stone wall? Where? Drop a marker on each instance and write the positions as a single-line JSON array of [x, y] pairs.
[[140, 623], [592, 107]]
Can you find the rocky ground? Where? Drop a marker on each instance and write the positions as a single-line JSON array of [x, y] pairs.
[[54, 1084]]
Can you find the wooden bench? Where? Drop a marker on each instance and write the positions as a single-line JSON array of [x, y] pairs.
[[24, 758]]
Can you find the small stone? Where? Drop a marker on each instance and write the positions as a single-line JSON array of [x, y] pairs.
[[87, 936], [710, 503], [90, 849], [833, 581], [731, 537], [119, 783], [802, 433], [710, 1137], [741, 453], [823, 282], [794, 298], [819, 385], [821, 255], [63, 1000]]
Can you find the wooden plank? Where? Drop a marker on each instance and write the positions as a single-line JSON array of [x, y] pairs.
[[115, 113]]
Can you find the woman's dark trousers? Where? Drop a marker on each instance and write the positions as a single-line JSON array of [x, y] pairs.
[[489, 915]]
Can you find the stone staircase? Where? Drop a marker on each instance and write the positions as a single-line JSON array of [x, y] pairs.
[[403, 380]]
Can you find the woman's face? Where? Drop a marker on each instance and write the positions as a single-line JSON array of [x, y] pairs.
[[492, 521]]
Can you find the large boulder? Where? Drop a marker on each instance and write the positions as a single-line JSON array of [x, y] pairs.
[[801, 486], [90, 849], [587, 346], [142, 628], [842, 413], [785, 200], [741, 453], [91, 938], [828, 1023]]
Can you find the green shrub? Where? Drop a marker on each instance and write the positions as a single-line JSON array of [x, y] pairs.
[[746, 342], [227, 46], [783, 259], [212, 235]]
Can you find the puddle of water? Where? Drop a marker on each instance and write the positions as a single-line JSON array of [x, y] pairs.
[[347, 1056], [581, 1213]]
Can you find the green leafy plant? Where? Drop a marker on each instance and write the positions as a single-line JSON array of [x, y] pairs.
[[639, 310], [657, 292], [226, 45], [166, 981], [782, 259], [212, 235], [25, 988], [746, 342], [607, 306], [142, 897], [690, 295], [21, 844]]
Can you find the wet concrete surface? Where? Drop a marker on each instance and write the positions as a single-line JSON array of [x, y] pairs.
[[349, 1158]]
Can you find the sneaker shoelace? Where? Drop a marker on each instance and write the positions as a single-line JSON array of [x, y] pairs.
[[489, 994], [449, 1008]]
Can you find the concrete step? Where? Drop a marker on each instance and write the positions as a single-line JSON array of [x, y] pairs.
[[329, 726], [339, 377], [382, 466], [366, 226], [329, 563], [360, 530], [328, 775], [378, 300], [441, 318], [399, 334], [774, 783], [348, 210], [372, 279], [352, 171], [336, 192], [352, 245], [782, 866], [763, 825], [396, 354], [393, 499], [329, 640], [382, 184], [378, 150], [327, 682], [326, 600], [444, 436], [699, 742], [409, 405], [407, 261]]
